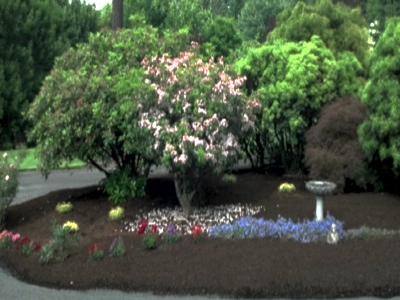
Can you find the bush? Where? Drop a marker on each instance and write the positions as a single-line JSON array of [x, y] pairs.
[[120, 186], [332, 150], [8, 186]]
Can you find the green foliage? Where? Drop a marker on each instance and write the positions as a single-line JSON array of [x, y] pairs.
[[120, 186], [117, 248], [379, 134], [221, 35], [224, 8], [149, 241], [8, 186], [258, 17], [32, 34], [332, 149], [58, 248], [87, 107], [378, 12], [351, 76], [292, 81], [171, 15], [340, 27]]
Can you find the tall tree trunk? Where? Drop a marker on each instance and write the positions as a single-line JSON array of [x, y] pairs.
[[117, 14]]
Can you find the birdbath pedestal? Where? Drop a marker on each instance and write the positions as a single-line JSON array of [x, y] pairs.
[[320, 189]]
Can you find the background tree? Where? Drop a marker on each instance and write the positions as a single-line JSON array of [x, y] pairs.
[[292, 81], [32, 34], [378, 11], [332, 150], [379, 134], [340, 27], [258, 17], [221, 37]]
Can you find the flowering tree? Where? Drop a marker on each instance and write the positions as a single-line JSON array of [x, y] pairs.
[[197, 119]]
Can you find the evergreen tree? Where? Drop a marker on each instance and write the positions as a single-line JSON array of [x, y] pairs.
[[379, 135]]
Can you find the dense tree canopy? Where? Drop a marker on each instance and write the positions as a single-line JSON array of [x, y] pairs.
[[32, 34], [378, 11], [86, 108], [379, 134], [340, 27], [292, 81]]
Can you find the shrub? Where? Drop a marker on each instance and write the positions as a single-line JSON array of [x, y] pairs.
[[332, 149], [8, 186], [120, 186], [149, 241], [198, 116]]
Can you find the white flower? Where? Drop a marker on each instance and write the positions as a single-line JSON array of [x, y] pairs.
[[5, 155], [7, 177]]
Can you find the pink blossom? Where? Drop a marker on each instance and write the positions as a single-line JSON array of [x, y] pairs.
[[15, 237]]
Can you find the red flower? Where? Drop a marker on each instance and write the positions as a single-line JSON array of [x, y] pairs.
[[196, 230], [154, 228], [25, 240], [143, 223], [141, 229], [37, 247], [93, 248]]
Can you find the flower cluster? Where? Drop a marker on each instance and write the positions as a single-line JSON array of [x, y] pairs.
[[304, 232], [287, 188], [64, 207], [197, 118], [116, 213], [23, 245], [71, 226], [145, 226]]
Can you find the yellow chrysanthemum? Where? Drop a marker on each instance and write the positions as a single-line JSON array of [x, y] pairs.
[[116, 213], [287, 188], [71, 226]]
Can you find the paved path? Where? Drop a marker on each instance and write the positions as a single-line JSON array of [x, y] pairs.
[[32, 185]]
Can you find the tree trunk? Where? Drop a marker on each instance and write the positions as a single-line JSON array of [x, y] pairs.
[[117, 14], [185, 196]]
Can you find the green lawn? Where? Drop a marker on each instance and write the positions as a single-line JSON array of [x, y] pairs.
[[26, 159]]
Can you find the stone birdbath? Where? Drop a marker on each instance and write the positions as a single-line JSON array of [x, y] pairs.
[[320, 188]]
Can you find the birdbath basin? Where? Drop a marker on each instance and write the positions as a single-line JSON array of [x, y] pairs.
[[320, 189]]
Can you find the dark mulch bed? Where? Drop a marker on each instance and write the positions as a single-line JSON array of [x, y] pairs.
[[236, 268]]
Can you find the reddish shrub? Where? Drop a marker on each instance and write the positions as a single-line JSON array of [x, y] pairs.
[[332, 150]]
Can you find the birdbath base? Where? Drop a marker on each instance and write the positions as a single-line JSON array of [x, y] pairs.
[[320, 189]]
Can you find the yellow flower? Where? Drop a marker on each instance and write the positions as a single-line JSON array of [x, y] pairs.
[[116, 213], [64, 207], [287, 188], [71, 226]]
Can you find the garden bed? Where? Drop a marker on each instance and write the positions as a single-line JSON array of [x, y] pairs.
[[251, 268]]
